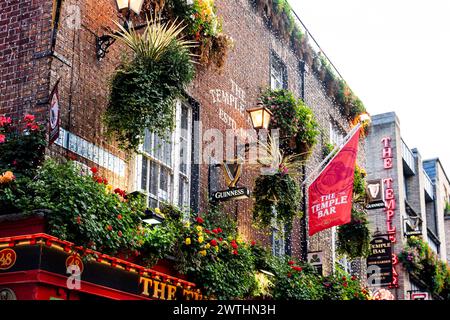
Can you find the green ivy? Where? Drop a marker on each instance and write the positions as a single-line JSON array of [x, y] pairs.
[[293, 118], [354, 237]]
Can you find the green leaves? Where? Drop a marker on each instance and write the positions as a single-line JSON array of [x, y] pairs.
[[280, 192], [143, 91]]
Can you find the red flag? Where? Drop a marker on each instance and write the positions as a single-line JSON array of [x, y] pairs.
[[330, 195]]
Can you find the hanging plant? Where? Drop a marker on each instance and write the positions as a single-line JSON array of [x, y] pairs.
[[143, 90], [354, 237], [277, 193], [296, 122]]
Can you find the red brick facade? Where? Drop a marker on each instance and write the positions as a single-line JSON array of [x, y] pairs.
[[29, 69]]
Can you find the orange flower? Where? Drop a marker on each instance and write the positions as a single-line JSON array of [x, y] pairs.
[[7, 177]]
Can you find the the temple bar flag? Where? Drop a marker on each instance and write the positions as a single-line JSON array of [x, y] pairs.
[[331, 194]]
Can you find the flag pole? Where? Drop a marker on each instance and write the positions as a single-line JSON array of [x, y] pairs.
[[332, 153]]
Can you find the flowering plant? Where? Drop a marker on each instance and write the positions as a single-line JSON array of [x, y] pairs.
[[21, 144]]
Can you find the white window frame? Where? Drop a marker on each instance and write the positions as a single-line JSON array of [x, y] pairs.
[[336, 134], [173, 166], [277, 73]]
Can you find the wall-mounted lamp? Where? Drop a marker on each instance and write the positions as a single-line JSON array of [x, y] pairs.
[[260, 117], [125, 7]]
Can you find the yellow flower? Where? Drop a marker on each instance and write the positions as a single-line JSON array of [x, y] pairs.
[[109, 187], [188, 241], [187, 224], [199, 228], [207, 246], [216, 248], [200, 239], [157, 211], [203, 252]]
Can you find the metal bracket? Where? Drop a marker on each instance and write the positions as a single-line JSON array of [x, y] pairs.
[[102, 45]]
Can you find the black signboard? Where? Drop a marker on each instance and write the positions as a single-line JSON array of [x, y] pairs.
[[379, 262], [375, 194], [234, 193]]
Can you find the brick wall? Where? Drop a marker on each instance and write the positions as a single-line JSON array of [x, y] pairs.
[[84, 86], [25, 40]]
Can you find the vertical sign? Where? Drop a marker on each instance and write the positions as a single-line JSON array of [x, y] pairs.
[[379, 262], [54, 115]]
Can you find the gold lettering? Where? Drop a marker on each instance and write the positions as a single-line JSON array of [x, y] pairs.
[[147, 284], [159, 293], [171, 290]]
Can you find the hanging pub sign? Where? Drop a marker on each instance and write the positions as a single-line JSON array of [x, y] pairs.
[[315, 259], [232, 172], [54, 118], [375, 194], [379, 262]]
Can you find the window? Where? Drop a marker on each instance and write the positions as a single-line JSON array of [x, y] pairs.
[[278, 73], [278, 241], [337, 135], [164, 167]]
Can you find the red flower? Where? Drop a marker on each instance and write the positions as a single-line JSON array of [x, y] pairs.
[[344, 278], [353, 278], [220, 239], [215, 231], [213, 242], [78, 220], [109, 227], [119, 217], [297, 268], [119, 233], [345, 284], [94, 170], [289, 275], [219, 230], [29, 118], [234, 245], [207, 231], [2, 138], [34, 127], [14, 163], [235, 252], [4, 120], [199, 220], [291, 263], [99, 179], [105, 181], [253, 243]]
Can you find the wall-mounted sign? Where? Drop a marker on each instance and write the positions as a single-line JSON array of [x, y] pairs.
[[232, 172], [75, 260], [54, 115], [315, 259], [7, 258], [375, 194], [419, 296], [379, 262]]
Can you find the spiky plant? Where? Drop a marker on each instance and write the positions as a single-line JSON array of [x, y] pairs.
[[143, 90]]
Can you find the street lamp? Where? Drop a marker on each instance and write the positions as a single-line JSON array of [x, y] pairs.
[[152, 218], [125, 7], [134, 5], [260, 116]]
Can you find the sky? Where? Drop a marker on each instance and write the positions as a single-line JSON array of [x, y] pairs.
[[395, 55]]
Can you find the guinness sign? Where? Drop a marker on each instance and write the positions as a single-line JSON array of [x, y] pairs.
[[375, 192], [232, 172]]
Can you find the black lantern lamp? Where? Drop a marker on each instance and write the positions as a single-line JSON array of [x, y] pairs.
[[125, 7]]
